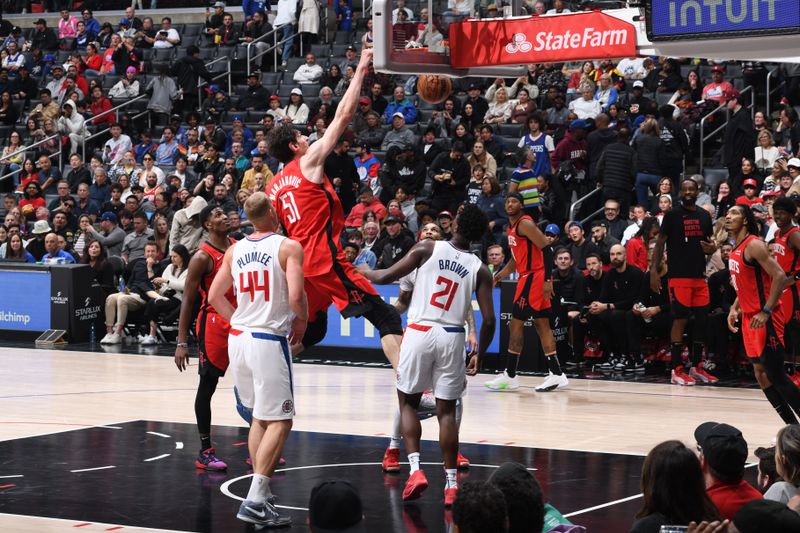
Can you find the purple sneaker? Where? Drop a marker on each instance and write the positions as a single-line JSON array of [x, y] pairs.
[[208, 460]]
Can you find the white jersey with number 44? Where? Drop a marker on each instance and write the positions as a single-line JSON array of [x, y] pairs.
[[444, 286], [262, 294]]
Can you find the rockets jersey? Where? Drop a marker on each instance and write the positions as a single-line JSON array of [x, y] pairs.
[[785, 255], [527, 256], [751, 282], [312, 215], [205, 282], [444, 286], [262, 293]]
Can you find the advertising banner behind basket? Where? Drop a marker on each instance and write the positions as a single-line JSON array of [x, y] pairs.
[[545, 39]]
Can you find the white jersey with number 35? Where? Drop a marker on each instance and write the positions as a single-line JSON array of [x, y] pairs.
[[444, 287], [262, 294]]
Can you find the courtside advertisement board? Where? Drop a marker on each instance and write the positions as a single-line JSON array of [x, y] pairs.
[[676, 20], [25, 303]]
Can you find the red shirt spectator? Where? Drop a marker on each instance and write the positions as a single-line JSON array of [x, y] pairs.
[[636, 252], [718, 88], [749, 197], [730, 497], [367, 202], [99, 105]]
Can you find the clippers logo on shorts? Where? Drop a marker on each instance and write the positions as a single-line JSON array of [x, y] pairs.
[[288, 406]]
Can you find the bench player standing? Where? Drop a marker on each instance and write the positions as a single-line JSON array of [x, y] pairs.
[[266, 273], [212, 329], [432, 355], [686, 231], [759, 281], [310, 210], [787, 252], [531, 256]]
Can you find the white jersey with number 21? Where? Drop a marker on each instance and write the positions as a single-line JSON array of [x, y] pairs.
[[444, 287]]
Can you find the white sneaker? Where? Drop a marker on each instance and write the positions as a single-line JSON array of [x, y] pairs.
[[553, 383], [106, 339], [503, 383], [148, 339], [112, 338]]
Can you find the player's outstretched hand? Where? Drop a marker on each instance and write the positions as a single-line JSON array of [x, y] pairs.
[[298, 330], [181, 358], [474, 365], [732, 318], [709, 247], [366, 57], [708, 527]]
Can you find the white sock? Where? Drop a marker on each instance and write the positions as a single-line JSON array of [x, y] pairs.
[[450, 475], [396, 434], [259, 489], [413, 461]]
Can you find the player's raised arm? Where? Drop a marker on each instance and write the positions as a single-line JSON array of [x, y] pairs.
[[483, 291], [222, 282], [318, 152], [290, 256], [198, 266], [415, 258]]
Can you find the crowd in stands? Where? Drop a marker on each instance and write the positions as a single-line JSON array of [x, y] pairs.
[[86, 184]]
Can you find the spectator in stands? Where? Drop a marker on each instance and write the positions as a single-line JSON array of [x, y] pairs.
[[668, 77], [110, 235], [130, 14], [719, 89], [221, 199], [739, 142], [71, 125], [787, 465], [648, 164], [145, 37], [378, 102], [586, 107], [214, 21], [13, 59], [749, 197], [400, 104], [296, 111], [602, 239], [766, 153], [67, 25], [227, 34], [673, 487], [46, 108], [256, 96], [117, 146], [23, 88], [186, 228], [572, 149], [35, 246], [367, 202], [85, 205], [606, 94], [723, 454], [579, 247], [92, 25], [373, 134], [674, 143], [57, 81], [163, 92], [399, 136], [126, 55], [789, 130], [449, 174], [285, 20], [394, 245], [256, 27], [100, 190], [169, 288], [146, 146], [187, 71], [167, 36], [48, 175], [13, 154], [500, 107], [479, 156], [616, 171], [767, 469], [95, 255], [213, 135], [43, 37], [167, 151], [133, 247], [491, 202], [53, 253], [309, 72]]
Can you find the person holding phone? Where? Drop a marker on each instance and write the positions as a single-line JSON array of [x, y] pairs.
[[167, 36]]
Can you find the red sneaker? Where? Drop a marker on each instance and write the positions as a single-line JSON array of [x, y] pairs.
[[391, 460], [415, 486], [700, 374], [450, 496], [795, 377], [679, 377], [462, 463]]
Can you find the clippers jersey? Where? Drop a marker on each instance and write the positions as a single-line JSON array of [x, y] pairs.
[[751, 282], [312, 215], [205, 282], [527, 256], [262, 294], [785, 255], [444, 287]]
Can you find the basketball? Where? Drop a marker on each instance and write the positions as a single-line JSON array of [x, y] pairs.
[[434, 89]]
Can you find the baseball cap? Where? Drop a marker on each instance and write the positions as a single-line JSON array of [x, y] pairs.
[[553, 229], [210, 120], [574, 223], [473, 86], [600, 223], [49, 57], [42, 22], [237, 118], [398, 114], [254, 74], [717, 68], [130, 70], [578, 124], [335, 505], [274, 97], [730, 94], [446, 214], [363, 101], [108, 215], [59, 67], [750, 183], [297, 91], [759, 208], [793, 162], [219, 4], [765, 515], [516, 195], [638, 83], [723, 446], [770, 194], [391, 220], [364, 146], [351, 47]]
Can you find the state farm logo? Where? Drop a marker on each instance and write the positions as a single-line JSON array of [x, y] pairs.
[[519, 43]]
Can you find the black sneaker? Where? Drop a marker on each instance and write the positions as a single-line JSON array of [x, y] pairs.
[[621, 364], [609, 364], [630, 365], [262, 514], [638, 364]]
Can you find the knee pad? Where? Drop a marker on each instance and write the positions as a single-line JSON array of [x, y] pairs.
[[316, 330]]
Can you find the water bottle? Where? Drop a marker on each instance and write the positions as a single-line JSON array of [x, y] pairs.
[[641, 308], [92, 335]]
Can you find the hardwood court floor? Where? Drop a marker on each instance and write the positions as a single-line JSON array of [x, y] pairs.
[[45, 392]]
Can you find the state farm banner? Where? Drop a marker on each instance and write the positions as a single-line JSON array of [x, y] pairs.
[[544, 39]]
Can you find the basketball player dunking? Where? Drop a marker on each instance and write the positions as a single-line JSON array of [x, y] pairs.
[[759, 281], [310, 211], [432, 355], [266, 273], [532, 258], [212, 329], [787, 253]]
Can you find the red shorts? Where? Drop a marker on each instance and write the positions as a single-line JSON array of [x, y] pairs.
[[790, 304], [686, 294], [529, 300], [212, 336], [343, 286], [760, 344]]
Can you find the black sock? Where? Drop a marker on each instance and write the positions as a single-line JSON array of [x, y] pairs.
[[676, 349], [205, 442], [512, 359], [780, 405], [552, 364], [697, 353]]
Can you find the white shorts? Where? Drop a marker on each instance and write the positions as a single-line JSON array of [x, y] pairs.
[[433, 357], [261, 366]]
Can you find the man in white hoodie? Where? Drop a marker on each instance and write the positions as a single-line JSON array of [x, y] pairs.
[[71, 123]]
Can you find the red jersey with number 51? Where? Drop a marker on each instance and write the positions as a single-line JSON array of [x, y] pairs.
[[444, 286], [528, 257], [312, 215], [751, 282]]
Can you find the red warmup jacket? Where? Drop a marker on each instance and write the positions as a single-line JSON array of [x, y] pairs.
[[356, 217]]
